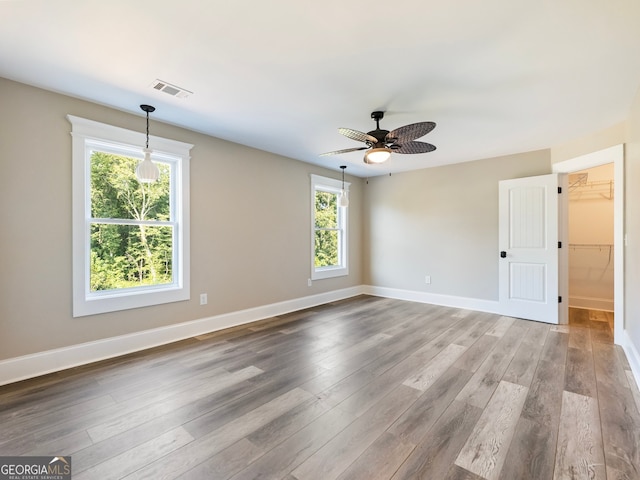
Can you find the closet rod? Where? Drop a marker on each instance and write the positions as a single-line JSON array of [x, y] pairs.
[[607, 247], [590, 245]]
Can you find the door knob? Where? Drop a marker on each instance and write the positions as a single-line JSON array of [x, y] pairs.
[[503, 254]]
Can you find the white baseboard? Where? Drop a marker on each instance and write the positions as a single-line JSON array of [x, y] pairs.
[[485, 306], [605, 304], [34, 365], [489, 306], [632, 355]]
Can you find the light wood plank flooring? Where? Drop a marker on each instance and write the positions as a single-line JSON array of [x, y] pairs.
[[366, 388]]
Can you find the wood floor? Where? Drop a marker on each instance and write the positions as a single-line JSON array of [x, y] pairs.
[[367, 388]]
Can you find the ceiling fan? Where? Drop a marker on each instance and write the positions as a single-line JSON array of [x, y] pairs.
[[381, 143]]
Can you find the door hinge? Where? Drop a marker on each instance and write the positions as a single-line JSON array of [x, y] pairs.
[[559, 244], [559, 299], [559, 189]]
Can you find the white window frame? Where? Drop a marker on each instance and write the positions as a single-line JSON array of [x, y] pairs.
[[331, 185], [87, 136]]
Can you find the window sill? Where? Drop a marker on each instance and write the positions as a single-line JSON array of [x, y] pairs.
[[96, 304], [329, 272]]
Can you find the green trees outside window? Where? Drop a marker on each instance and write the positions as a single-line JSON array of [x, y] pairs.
[[131, 230], [327, 230]]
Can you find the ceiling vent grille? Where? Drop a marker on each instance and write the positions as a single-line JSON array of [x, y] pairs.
[[170, 89]]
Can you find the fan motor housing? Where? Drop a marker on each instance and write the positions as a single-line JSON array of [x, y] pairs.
[[380, 135]]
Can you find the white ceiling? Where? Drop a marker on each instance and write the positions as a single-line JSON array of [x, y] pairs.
[[497, 76]]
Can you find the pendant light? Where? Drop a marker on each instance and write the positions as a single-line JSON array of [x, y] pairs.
[[147, 171], [343, 200]]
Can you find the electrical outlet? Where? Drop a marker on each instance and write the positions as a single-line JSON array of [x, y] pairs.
[[427, 279], [203, 299], [309, 283]]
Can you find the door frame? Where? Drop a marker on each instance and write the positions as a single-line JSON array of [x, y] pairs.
[[613, 155]]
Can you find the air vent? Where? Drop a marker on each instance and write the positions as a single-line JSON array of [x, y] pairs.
[[170, 89]]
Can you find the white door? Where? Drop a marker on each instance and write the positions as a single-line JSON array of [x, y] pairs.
[[528, 242]]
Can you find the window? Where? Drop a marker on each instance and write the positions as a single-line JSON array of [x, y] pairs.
[[130, 239], [329, 224]]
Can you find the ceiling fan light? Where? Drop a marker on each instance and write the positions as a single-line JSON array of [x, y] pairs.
[[377, 155], [147, 171]]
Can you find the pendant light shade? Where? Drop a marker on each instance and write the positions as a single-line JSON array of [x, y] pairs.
[[147, 171], [343, 199], [377, 155]]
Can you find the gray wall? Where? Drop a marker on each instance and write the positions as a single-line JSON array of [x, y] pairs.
[[250, 226], [441, 222]]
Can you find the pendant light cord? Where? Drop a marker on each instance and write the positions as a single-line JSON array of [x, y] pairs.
[[147, 109]]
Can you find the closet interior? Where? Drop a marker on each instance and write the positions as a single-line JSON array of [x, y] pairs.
[[591, 220]]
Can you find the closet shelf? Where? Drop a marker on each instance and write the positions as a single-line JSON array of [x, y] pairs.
[[607, 248], [590, 245], [581, 189]]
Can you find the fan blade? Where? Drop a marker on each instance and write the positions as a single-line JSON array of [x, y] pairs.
[[414, 147], [346, 150], [410, 132], [356, 135]]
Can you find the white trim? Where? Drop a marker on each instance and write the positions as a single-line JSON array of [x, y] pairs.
[[85, 134], [590, 160], [563, 253], [29, 366], [489, 306], [333, 186], [101, 131], [606, 304], [41, 363], [632, 355], [613, 155], [329, 182]]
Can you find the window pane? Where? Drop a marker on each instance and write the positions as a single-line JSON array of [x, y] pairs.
[[125, 256], [116, 193], [326, 210], [326, 248]]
